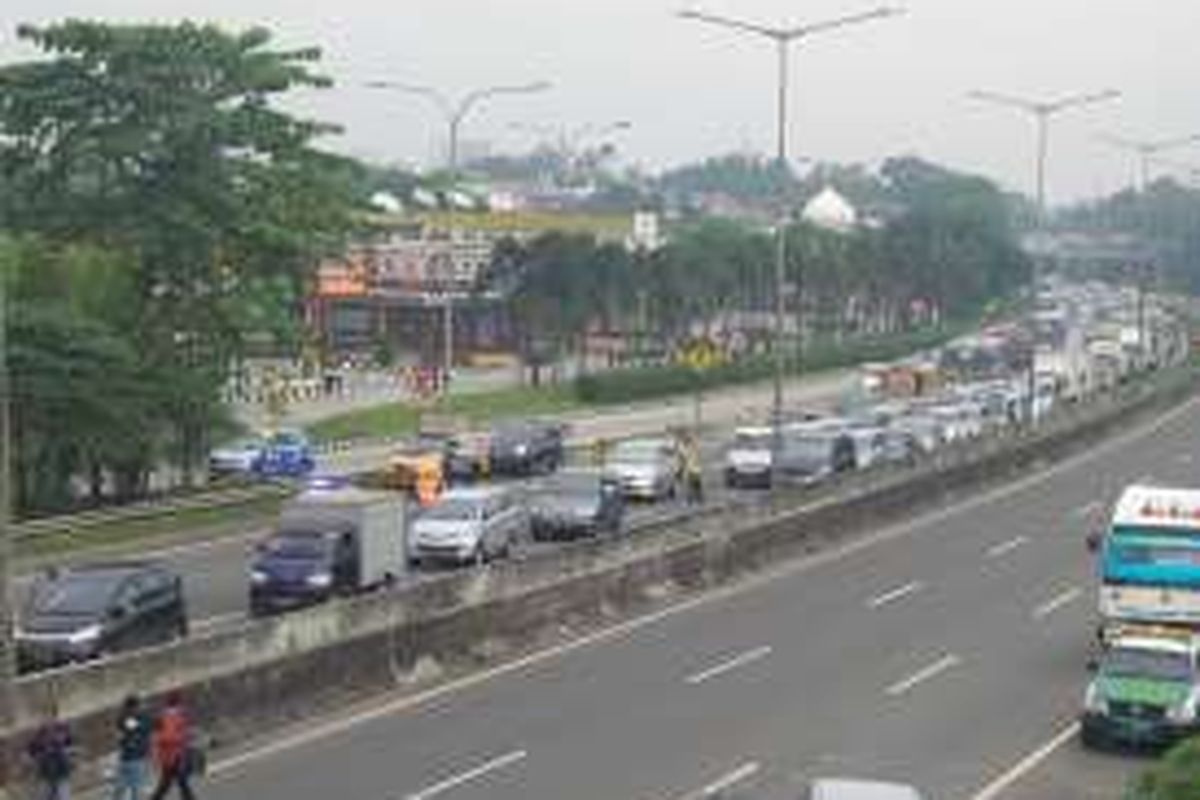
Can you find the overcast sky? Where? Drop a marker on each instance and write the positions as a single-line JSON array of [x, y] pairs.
[[886, 88]]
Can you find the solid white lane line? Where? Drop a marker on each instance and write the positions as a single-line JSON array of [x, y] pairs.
[[1087, 508], [1004, 548], [728, 781], [322, 729], [1048, 608], [933, 670], [895, 594], [1026, 765], [469, 775], [749, 657]]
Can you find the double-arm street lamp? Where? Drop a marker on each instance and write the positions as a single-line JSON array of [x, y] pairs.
[[1147, 151], [783, 38], [566, 139], [1042, 111], [455, 113]]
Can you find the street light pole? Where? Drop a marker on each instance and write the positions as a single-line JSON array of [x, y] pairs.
[[568, 140], [1043, 112], [455, 114], [1147, 150], [783, 38]]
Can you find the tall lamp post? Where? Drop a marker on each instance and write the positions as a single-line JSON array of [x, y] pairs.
[[1042, 111], [783, 38], [455, 113], [1147, 151], [567, 139]]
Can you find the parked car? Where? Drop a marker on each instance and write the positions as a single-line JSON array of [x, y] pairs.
[[925, 429], [469, 525], [468, 457], [869, 443], [575, 504], [288, 454], [899, 447], [241, 457], [86, 612], [646, 469], [409, 457], [526, 448], [811, 456], [846, 789], [748, 460], [329, 542]]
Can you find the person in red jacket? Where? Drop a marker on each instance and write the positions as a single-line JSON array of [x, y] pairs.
[[172, 745]]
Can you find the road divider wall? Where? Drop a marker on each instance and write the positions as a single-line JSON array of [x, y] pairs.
[[260, 677]]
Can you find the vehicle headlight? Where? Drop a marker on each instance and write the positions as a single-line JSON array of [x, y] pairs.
[[1184, 713], [1094, 701], [258, 577], [521, 450], [86, 635], [319, 580]]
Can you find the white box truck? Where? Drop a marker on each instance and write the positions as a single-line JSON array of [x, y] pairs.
[[329, 543]]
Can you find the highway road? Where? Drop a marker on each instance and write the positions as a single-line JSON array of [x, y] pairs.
[[948, 652], [214, 572]]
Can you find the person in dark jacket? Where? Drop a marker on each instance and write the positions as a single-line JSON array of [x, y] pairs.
[[50, 750], [134, 731], [172, 746]]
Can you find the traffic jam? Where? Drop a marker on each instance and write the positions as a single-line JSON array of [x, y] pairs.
[[452, 497]]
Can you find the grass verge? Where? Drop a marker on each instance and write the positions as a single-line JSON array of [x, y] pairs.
[[397, 419], [129, 537]]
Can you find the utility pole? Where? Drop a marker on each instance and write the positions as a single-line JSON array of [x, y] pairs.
[[8, 660], [1146, 151], [1042, 111], [455, 114], [567, 140], [783, 38]]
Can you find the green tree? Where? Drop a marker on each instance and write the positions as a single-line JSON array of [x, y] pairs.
[[1175, 777], [165, 143]]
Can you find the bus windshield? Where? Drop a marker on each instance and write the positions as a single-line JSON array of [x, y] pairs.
[[1152, 556]]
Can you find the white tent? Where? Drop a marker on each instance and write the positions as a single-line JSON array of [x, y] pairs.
[[831, 211]]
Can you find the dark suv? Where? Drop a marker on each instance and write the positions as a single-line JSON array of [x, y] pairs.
[[86, 612], [525, 448]]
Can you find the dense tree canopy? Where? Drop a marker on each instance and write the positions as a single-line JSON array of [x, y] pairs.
[[1164, 218], [936, 244], [150, 178]]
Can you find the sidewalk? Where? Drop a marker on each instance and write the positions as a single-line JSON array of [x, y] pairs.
[[363, 390], [737, 405]]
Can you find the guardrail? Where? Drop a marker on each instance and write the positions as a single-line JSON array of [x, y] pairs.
[[199, 501], [260, 674]]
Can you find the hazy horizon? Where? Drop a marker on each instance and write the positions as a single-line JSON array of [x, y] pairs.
[[887, 88]]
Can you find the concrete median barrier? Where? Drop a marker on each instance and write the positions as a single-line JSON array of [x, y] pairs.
[[267, 674]]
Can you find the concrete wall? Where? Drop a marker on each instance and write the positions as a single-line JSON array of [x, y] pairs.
[[272, 672]]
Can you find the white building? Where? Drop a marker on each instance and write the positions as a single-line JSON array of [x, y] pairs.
[[831, 211]]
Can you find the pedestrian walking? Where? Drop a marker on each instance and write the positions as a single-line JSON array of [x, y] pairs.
[[172, 749], [51, 753], [693, 472], [134, 732]]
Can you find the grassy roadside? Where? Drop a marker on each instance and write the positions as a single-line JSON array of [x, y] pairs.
[[132, 537], [605, 389], [397, 419]]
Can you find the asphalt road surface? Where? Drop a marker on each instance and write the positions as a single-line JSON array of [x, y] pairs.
[[215, 572], [947, 652]]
